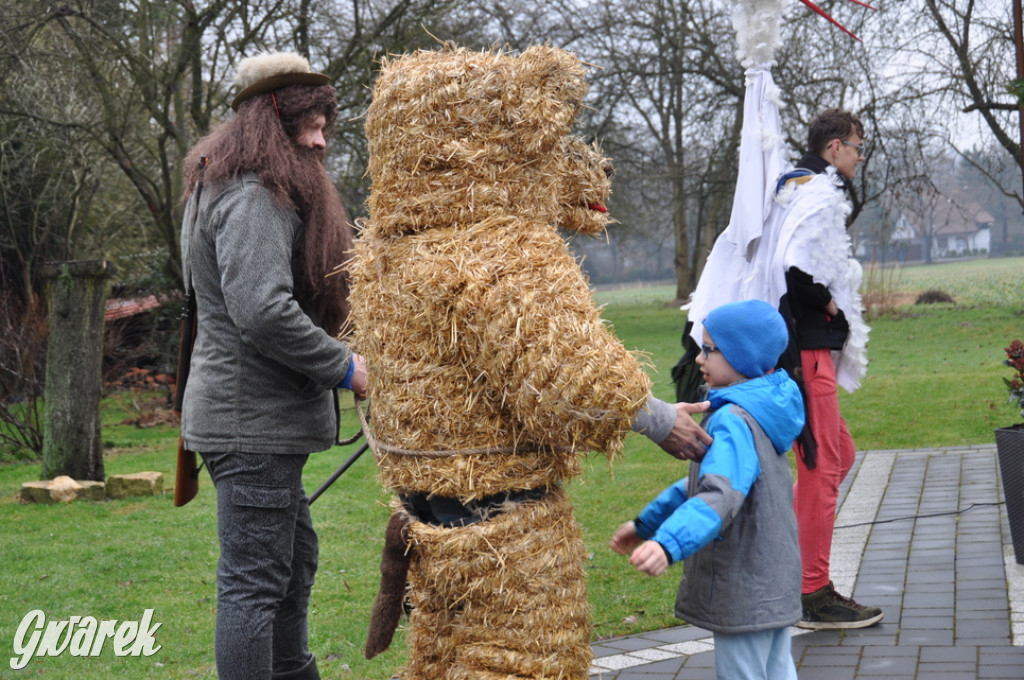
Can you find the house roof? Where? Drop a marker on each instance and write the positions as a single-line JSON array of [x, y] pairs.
[[122, 308], [948, 218]]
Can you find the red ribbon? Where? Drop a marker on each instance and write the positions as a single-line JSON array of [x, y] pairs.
[[823, 13]]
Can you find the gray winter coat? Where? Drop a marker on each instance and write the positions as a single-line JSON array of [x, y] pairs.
[[262, 372]]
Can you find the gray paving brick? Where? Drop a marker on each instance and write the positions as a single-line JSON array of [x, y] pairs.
[[704, 660], [882, 635], [984, 641], [995, 672], [626, 644], [994, 574], [819, 638], [948, 654], [973, 585], [669, 666], [833, 673], [978, 561], [919, 636], [677, 634], [636, 674], [931, 613], [696, 674], [1002, 655], [830, 656], [881, 584], [887, 667], [984, 604], [920, 583], [923, 621], [929, 600], [885, 602], [982, 628]]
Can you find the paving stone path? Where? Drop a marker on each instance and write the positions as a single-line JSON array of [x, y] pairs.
[[921, 533]]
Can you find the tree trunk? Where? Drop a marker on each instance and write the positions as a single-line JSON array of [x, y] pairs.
[[682, 257], [1018, 46], [76, 294], [677, 168]]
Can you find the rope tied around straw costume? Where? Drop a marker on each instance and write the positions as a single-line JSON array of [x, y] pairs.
[[349, 440]]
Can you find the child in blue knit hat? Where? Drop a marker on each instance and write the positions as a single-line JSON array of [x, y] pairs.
[[732, 519]]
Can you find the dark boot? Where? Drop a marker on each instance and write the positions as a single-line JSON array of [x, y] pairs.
[[307, 672]]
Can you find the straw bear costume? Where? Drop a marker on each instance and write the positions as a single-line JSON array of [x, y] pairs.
[[490, 369]]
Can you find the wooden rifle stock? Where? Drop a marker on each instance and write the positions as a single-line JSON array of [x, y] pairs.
[[186, 474]]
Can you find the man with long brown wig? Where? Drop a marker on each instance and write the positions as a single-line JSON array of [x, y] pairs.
[[263, 226]]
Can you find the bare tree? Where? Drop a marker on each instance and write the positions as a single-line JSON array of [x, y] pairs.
[[668, 68], [981, 69], [99, 102], [150, 76]]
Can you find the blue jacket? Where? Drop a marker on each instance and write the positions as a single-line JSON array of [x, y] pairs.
[[732, 519]]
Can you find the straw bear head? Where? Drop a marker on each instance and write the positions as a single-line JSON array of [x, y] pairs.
[[457, 137]]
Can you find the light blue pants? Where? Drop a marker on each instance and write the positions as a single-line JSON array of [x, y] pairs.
[[765, 655], [268, 557]]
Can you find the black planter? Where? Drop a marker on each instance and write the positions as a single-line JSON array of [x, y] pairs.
[[1010, 447]]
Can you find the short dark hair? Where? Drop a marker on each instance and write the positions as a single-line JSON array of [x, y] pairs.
[[832, 124]]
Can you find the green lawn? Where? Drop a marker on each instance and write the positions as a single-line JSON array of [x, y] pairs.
[[934, 380]]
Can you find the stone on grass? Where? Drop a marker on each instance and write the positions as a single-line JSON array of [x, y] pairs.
[[62, 489], [135, 484]]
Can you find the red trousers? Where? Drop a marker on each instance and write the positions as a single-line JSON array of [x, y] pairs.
[[817, 490]]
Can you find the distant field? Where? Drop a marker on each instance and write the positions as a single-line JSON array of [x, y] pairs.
[[973, 282], [998, 281]]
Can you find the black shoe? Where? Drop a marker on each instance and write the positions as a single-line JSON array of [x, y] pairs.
[[825, 609]]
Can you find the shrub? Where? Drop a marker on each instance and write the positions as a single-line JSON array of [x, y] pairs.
[[22, 374], [930, 297]]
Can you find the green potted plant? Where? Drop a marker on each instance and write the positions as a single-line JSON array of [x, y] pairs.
[[1010, 448]]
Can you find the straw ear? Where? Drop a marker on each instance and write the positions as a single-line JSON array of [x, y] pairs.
[[556, 76]]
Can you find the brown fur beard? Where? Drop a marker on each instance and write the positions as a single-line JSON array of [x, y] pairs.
[[259, 139], [327, 242]]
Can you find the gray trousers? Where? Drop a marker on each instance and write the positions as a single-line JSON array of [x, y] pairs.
[[268, 558]]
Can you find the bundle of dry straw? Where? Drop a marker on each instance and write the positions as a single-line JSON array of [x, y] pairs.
[[519, 590], [490, 367]]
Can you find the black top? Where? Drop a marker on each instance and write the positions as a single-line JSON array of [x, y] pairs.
[[813, 327], [806, 299]]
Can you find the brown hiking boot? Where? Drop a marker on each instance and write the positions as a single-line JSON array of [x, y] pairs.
[[825, 609]]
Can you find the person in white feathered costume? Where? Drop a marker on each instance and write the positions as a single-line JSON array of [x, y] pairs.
[[787, 244]]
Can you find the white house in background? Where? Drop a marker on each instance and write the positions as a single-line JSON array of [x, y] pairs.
[[961, 232], [946, 231]]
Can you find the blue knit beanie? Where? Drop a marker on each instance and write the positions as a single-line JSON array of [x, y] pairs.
[[751, 335]]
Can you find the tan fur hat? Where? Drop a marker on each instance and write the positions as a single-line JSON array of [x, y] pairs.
[[270, 71]]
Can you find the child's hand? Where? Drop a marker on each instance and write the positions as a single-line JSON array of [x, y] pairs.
[[625, 539], [649, 558]]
